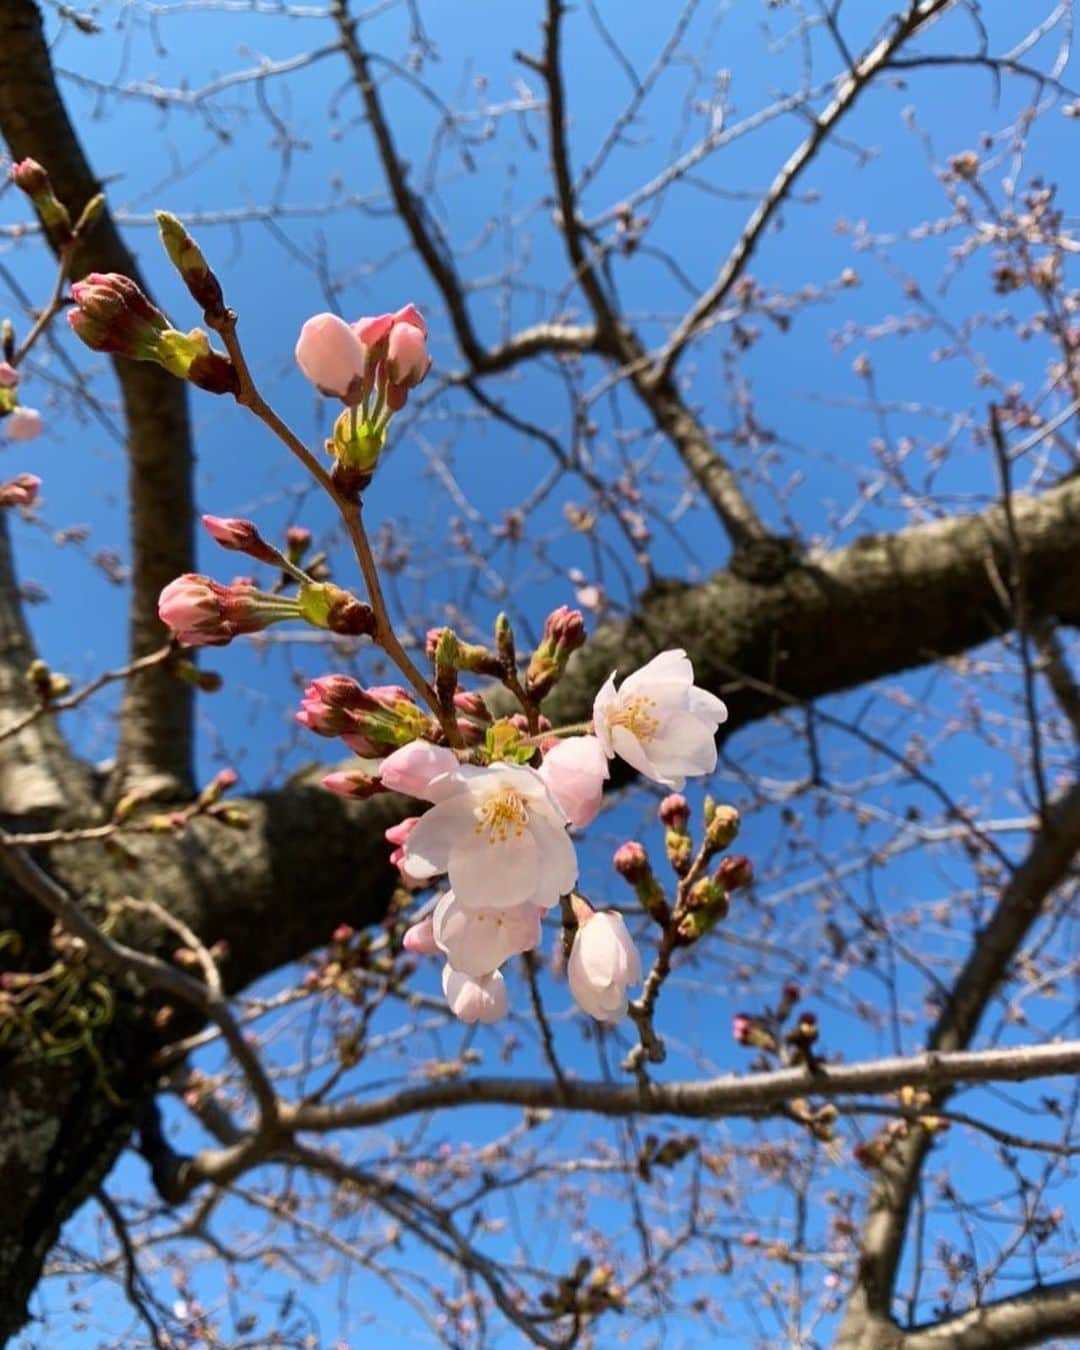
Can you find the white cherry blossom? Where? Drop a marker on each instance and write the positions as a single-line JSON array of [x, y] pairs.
[[478, 941], [659, 721], [499, 834], [603, 962], [472, 1000]]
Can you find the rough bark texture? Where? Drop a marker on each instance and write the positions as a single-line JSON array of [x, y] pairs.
[[155, 745]]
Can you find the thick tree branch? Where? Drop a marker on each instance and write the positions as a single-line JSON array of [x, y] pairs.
[[156, 726], [728, 1096], [1030, 1318]]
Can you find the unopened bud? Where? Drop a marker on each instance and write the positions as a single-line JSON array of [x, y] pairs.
[[353, 783], [31, 178], [217, 787], [564, 633], [735, 872], [674, 811], [723, 827], [632, 862], [186, 256], [240, 536], [504, 641]]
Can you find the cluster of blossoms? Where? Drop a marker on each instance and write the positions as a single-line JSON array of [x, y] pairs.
[[498, 829], [503, 793]]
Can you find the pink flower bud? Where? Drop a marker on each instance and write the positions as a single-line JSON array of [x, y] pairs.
[[741, 1028], [332, 357], [23, 424], [204, 613], [344, 932], [407, 359], [372, 722], [603, 963], [632, 862], [675, 811], [240, 536], [112, 314], [575, 770], [564, 633], [416, 769], [31, 178], [9, 376], [353, 783], [20, 491]]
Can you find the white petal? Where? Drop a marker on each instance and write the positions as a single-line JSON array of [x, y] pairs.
[[488, 874], [558, 864], [428, 847], [706, 706], [605, 703], [628, 747], [669, 667], [686, 746]]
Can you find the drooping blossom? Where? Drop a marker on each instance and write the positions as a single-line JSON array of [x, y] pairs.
[[331, 355], [500, 836], [477, 941], [603, 963], [482, 1000], [575, 770], [659, 721], [23, 424]]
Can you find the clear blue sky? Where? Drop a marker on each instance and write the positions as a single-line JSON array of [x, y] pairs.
[[192, 161]]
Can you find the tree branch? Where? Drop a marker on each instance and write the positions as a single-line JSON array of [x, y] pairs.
[[1029, 1318], [1023, 900], [919, 15]]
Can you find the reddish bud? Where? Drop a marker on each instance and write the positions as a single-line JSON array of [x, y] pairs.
[[735, 872], [632, 862], [564, 633], [674, 811], [240, 536]]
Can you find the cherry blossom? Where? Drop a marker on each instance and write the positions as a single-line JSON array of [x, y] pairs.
[[478, 941], [482, 1000], [603, 962], [499, 834], [659, 721]]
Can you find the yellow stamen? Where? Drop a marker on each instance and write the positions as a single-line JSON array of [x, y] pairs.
[[635, 716], [502, 813]]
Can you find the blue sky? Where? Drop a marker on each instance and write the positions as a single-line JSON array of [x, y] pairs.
[[819, 460]]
